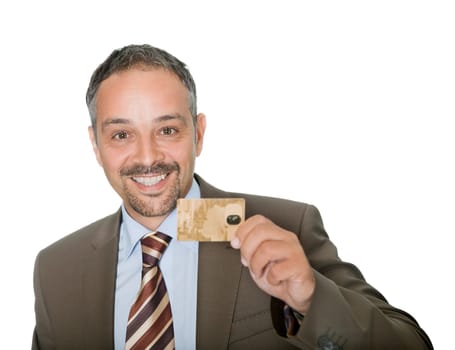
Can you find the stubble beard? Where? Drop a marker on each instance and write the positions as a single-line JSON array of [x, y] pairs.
[[157, 205]]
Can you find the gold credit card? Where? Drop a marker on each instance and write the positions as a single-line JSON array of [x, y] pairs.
[[209, 219]]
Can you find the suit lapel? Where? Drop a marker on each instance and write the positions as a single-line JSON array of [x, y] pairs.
[[219, 274], [218, 280], [98, 284]]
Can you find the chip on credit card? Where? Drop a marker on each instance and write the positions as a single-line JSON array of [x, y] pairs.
[[209, 219]]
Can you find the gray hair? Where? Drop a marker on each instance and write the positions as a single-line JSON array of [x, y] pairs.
[[144, 56]]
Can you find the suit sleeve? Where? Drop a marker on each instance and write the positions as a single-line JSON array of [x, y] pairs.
[[346, 312]]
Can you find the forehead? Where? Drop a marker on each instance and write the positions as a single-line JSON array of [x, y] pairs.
[[139, 88], [138, 78]]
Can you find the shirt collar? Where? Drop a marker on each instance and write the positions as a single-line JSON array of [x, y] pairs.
[[134, 231]]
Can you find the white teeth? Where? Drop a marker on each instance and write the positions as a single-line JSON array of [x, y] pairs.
[[149, 180]]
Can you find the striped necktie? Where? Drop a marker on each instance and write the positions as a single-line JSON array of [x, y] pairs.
[[150, 319]]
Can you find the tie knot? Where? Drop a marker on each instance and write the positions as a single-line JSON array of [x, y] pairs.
[[153, 246]]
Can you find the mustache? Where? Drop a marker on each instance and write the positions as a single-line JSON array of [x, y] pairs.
[[158, 168]]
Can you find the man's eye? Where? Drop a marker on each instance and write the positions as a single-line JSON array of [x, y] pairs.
[[122, 135], [168, 131]]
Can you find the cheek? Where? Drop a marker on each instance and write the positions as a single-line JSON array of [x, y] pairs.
[[187, 157], [183, 153], [111, 160]]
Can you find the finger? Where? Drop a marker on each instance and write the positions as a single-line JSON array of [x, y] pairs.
[[258, 228], [285, 270], [260, 234], [267, 252], [245, 228], [267, 232]]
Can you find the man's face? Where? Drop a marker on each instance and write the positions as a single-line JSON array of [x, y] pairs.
[[146, 141]]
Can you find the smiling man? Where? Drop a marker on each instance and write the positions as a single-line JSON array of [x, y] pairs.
[[125, 281]]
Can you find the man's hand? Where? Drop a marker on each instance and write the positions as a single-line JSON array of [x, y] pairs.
[[276, 261]]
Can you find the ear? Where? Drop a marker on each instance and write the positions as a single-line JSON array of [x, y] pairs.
[[200, 131], [91, 133]]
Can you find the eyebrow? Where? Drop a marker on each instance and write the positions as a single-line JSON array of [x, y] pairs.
[[114, 121], [170, 117], [163, 118]]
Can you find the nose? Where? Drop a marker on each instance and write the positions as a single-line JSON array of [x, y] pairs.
[[148, 151]]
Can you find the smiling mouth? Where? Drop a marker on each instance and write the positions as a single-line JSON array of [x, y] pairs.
[[149, 180]]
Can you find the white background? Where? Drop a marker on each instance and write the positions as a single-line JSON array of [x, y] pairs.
[[348, 105]]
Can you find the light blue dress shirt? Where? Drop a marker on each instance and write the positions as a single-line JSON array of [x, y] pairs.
[[179, 266]]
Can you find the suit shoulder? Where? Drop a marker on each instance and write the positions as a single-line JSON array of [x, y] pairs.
[[265, 203], [86, 235], [286, 213]]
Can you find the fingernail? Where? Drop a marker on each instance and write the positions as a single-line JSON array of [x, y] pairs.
[[235, 243], [244, 262]]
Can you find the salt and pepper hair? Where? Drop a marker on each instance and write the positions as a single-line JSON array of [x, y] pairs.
[[139, 56]]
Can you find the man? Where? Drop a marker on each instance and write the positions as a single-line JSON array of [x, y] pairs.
[[278, 284]]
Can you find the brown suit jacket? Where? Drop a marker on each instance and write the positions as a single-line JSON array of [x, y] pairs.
[[75, 277]]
